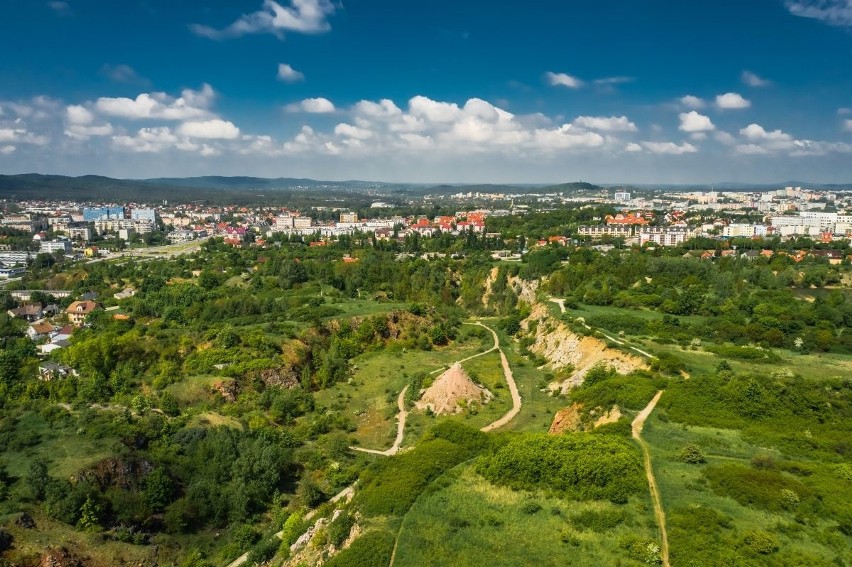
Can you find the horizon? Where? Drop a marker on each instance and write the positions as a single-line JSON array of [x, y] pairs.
[[473, 92]]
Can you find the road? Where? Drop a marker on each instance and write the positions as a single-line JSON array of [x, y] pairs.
[[659, 514]]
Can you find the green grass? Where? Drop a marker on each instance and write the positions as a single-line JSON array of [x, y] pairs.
[[809, 366], [462, 520], [365, 307], [689, 501], [65, 449], [584, 310], [370, 397]]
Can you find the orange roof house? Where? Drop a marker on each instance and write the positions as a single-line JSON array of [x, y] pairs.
[[627, 219], [79, 310]]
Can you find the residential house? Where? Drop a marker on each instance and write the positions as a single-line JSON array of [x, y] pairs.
[[48, 371], [79, 310], [38, 331], [30, 312]]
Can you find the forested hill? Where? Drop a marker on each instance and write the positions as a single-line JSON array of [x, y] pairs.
[[224, 190]]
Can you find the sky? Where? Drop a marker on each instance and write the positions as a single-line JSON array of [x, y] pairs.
[[452, 91]]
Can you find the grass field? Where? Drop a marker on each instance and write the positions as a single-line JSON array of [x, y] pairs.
[[65, 450], [462, 520], [369, 398], [687, 498]]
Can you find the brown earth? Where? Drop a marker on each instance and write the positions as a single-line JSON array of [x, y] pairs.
[[451, 392], [571, 418], [566, 419]]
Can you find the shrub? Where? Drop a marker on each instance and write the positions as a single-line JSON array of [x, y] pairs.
[[761, 542], [530, 508], [263, 551], [339, 529], [581, 466], [646, 551], [750, 487], [391, 485], [692, 454], [598, 520], [373, 549], [5, 540]]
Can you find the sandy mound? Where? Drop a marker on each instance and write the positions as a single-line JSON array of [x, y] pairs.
[[451, 392]]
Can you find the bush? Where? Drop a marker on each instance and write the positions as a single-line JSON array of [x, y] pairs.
[[598, 520], [5, 540], [692, 454], [263, 551], [759, 541], [373, 549], [581, 466], [340, 528], [391, 485], [756, 488]]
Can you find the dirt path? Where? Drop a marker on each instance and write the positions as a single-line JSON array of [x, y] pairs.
[[346, 493], [659, 514], [510, 379], [561, 304], [400, 429]]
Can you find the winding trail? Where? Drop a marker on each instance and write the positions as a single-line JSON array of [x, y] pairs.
[[561, 304], [659, 514], [509, 416], [510, 379], [400, 429]]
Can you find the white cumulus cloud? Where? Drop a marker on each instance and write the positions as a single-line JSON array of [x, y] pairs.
[[606, 124], [317, 105], [669, 148], [287, 74], [562, 80], [732, 101], [694, 122], [847, 125], [190, 105], [691, 101], [214, 129], [301, 16]]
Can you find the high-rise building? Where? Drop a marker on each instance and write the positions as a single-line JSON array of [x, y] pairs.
[[103, 213]]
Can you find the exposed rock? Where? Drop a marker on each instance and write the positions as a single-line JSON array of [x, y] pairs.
[[59, 557], [566, 419], [280, 377], [120, 473], [228, 389]]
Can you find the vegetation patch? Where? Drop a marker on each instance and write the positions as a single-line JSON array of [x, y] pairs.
[[581, 466]]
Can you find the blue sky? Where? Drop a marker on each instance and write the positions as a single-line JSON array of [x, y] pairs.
[[446, 91]]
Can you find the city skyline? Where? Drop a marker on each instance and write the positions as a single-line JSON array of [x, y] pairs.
[[607, 92]]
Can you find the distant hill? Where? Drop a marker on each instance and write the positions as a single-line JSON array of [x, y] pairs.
[[220, 190], [249, 183]]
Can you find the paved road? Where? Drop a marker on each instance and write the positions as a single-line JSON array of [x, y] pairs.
[[659, 514]]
